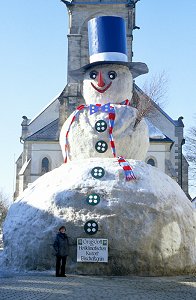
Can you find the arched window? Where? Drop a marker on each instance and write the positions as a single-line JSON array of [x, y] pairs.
[[151, 162], [45, 165]]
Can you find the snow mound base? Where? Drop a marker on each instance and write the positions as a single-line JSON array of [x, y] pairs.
[[149, 222]]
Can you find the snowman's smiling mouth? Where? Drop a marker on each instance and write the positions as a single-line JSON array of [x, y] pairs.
[[101, 90]]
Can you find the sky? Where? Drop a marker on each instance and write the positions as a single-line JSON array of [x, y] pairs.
[[33, 63]]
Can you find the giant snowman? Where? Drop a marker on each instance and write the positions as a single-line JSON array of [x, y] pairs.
[[104, 189]]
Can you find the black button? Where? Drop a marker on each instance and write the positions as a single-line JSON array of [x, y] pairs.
[[100, 126], [91, 227], [101, 146], [93, 199], [97, 172]]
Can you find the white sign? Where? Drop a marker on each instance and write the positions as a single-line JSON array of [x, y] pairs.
[[92, 250]]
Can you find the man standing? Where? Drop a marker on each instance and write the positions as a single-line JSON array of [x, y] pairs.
[[61, 247]]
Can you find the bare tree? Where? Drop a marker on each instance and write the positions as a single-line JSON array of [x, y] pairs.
[[156, 87], [3, 207], [190, 149], [154, 90]]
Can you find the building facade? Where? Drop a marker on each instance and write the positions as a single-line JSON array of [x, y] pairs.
[[40, 136]]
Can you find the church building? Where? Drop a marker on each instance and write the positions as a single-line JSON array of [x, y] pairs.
[[40, 135]]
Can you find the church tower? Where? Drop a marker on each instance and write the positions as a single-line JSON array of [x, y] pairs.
[[80, 12]]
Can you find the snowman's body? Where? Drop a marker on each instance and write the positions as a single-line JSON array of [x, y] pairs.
[[89, 135], [85, 138]]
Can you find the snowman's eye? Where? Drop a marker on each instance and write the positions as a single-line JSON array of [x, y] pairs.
[[93, 74], [112, 75]]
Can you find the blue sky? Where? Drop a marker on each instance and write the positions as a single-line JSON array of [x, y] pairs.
[[33, 56]]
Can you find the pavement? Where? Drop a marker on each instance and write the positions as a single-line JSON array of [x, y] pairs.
[[44, 285]]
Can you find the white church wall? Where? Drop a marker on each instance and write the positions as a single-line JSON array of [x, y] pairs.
[[40, 150], [158, 153]]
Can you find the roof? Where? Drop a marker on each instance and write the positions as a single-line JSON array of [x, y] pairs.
[[73, 2], [193, 200], [155, 135], [165, 140], [47, 133], [45, 108], [50, 133]]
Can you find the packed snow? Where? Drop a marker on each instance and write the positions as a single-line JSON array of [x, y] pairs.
[[149, 222]]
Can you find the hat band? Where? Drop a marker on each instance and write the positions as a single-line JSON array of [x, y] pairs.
[[108, 56]]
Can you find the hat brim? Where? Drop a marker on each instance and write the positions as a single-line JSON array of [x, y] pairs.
[[136, 68]]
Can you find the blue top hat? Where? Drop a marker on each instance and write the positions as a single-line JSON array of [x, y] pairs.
[[107, 39], [107, 45]]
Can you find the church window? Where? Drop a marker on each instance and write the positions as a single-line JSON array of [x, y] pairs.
[[151, 162], [45, 165]]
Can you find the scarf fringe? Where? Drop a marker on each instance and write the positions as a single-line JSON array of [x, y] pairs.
[[129, 175]]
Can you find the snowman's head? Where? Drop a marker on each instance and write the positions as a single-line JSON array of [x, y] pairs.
[[107, 83]]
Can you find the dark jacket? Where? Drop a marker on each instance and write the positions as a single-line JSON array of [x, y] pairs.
[[61, 244]]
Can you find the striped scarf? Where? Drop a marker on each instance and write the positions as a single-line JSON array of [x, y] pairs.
[[129, 175]]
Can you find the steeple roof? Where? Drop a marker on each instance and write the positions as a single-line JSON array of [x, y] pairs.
[[47, 133]]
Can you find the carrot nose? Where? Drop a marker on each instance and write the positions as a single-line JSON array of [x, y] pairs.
[[101, 82]]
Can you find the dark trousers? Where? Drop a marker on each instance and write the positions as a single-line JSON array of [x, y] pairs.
[[60, 265]]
